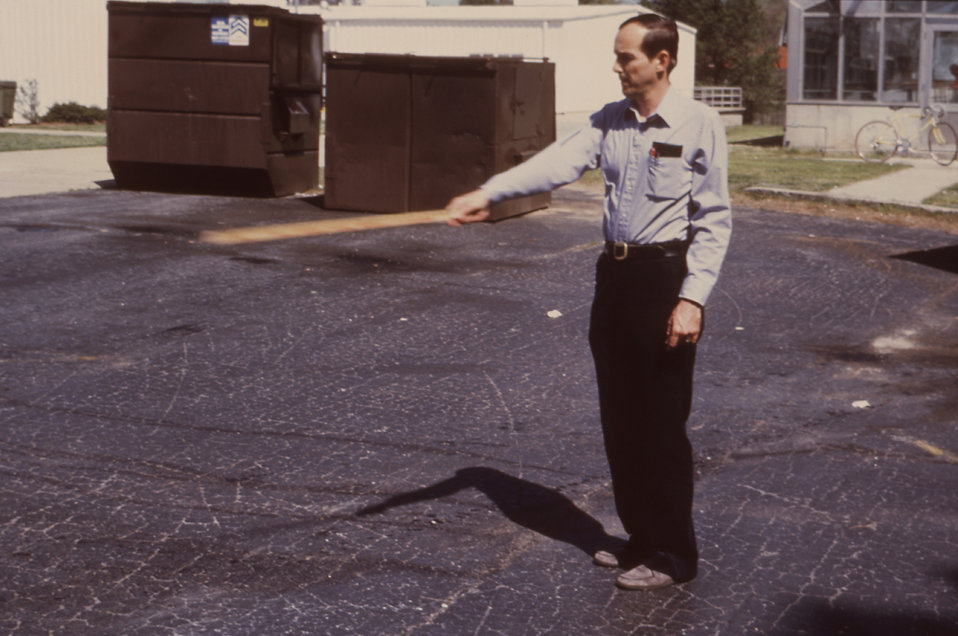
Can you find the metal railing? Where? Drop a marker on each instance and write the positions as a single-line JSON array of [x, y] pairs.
[[720, 97]]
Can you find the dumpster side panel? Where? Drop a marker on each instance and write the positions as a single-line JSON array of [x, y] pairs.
[[453, 136], [180, 32], [367, 139], [186, 138], [298, 55], [422, 130], [525, 124], [289, 171], [533, 116], [505, 104], [188, 86]]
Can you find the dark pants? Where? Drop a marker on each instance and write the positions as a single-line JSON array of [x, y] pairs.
[[645, 395]]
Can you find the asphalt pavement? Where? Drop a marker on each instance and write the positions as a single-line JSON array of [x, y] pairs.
[[395, 431]]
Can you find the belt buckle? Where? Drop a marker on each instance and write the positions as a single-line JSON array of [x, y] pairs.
[[620, 251]]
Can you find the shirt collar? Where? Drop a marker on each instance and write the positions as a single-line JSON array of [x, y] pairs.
[[669, 110]]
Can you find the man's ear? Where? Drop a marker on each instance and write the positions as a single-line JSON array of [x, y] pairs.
[[662, 60]]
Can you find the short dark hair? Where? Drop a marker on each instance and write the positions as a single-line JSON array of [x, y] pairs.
[[661, 34]]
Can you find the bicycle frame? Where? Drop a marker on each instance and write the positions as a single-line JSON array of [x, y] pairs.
[[907, 142], [877, 141]]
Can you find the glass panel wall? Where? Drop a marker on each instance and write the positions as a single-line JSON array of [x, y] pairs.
[[949, 7], [850, 7], [870, 51], [944, 70], [862, 41], [904, 6], [823, 6], [902, 50], [821, 58]]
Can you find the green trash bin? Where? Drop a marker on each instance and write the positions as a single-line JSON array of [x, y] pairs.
[[8, 97]]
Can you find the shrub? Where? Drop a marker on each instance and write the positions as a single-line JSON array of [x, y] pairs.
[[73, 113]]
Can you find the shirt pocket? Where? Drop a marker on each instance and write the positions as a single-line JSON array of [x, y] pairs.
[[669, 178]]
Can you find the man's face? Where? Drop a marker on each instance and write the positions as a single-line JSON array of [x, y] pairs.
[[636, 72]]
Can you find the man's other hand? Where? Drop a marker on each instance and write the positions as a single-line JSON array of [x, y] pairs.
[[471, 207], [685, 324]]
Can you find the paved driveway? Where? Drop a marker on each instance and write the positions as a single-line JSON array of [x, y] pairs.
[[387, 433]]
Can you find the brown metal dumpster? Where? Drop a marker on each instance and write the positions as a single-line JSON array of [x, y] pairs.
[[406, 133], [214, 98], [8, 97]]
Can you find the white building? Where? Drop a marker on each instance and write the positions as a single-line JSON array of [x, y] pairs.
[[578, 39], [63, 43]]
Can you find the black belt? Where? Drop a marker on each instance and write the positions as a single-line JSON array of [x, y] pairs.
[[627, 251]]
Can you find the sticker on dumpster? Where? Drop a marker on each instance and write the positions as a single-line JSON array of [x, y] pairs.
[[220, 30], [231, 31]]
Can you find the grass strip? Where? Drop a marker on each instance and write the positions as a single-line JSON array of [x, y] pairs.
[[793, 170], [947, 198], [10, 142], [788, 170]]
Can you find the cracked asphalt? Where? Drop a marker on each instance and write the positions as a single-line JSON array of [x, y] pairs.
[[388, 432]]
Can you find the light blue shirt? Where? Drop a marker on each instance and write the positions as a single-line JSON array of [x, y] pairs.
[[666, 178]]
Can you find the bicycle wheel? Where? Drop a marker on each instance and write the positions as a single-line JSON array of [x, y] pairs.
[[876, 141], [943, 143]]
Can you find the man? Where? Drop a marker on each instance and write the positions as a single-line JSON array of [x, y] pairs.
[[667, 224]]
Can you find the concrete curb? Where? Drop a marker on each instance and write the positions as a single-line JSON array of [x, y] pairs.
[[848, 200]]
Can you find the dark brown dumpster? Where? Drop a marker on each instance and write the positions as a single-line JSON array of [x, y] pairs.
[[214, 98], [407, 133], [8, 97]]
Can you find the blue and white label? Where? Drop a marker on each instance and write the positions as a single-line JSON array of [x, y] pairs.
[[220, 30], [231, 31]]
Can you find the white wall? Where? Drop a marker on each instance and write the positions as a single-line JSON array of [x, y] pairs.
[[63, 43], [832, 127], [60, 43], [578, 39]]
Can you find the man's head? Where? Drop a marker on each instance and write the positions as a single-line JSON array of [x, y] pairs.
[[661, 34], [646, 50]]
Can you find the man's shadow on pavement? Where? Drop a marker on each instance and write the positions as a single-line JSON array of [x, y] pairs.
[[528, 504]]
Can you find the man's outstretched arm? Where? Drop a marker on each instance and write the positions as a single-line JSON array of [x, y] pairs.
[[471, 207]]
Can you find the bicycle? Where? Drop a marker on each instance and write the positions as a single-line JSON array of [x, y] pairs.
[[879, 141]]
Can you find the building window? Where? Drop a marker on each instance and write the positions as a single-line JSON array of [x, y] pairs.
[[862, 40], [905, 6], [944, 67], [821, 58], [949, 7], [868, 50], [871, 6], [902, 46]]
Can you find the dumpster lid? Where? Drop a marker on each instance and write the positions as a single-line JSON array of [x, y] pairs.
[[389, 61], [190, 7]]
